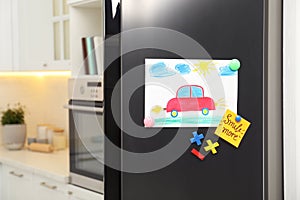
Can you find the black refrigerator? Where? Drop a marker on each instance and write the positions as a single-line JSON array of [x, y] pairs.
[[249, 30]]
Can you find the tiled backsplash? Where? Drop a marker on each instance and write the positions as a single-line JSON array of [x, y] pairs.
[[43, 96]]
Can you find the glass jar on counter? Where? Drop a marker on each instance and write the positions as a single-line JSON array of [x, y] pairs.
[[59, 140]]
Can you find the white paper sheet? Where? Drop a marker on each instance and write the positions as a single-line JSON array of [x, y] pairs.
[[208, 88]]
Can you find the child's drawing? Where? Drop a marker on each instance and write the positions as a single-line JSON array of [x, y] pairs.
[[188, 93], [190, 98]]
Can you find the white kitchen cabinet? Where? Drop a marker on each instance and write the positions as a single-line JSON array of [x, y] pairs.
[[6, 49], [32, 34], [77, 193], [61, 31], [18, 184], [21, 184], [1, 182], [48, 189], [33, 37]]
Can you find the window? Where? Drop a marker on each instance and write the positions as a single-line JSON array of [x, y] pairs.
[[184, 92], [197, 92]]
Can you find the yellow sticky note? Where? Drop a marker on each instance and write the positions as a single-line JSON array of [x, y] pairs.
[[232, 128]]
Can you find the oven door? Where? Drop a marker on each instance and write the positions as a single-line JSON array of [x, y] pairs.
[[87, 144]]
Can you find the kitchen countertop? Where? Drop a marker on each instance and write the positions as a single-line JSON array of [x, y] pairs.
[[52, 165]]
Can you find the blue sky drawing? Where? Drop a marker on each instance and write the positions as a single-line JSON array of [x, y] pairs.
[[183, 68], [160, 70], [226, 71]]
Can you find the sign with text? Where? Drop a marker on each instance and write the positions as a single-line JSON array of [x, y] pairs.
[[232, 128]]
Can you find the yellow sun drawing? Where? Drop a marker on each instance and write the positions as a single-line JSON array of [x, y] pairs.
[[203, 67]]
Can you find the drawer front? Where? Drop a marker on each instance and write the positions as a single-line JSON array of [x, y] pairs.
[[17, 173], [49, 184], [18, 184], [75, 192], [48, 189]]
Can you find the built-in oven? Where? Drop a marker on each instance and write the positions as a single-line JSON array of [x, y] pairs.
[[86, 115], [86, 127]]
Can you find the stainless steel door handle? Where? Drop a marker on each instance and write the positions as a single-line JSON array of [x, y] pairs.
[[84, 108], [16, 174], [44, 184]]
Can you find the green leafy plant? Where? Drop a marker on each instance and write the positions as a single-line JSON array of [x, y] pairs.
[[14, 115]]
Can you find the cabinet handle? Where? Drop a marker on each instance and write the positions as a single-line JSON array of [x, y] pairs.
[[45, 65], [15, 174], [70, 193], [48, 186]]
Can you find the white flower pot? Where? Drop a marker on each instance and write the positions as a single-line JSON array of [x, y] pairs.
[[14, 136]]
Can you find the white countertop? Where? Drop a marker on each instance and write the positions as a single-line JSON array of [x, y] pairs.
[[52, 165]]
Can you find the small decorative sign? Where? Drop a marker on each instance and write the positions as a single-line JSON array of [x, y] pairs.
[[232, 128]]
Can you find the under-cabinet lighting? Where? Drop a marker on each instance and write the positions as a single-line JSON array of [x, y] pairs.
[[35, 73]]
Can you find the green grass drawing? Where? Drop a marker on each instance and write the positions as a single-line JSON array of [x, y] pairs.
[[187, 120]]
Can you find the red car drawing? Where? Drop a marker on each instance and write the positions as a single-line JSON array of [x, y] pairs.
[[190, 98]]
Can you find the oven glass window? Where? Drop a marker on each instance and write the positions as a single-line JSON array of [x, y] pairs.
[[87, 149]]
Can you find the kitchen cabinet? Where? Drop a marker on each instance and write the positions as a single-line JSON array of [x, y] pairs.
[[34, 31], [61, 31], [5, 36], [77, 193], [1, 182], [34, 35], [18, 184], [48, 189], [23, 184]]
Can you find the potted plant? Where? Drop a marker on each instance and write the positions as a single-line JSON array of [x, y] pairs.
[[13, 127]]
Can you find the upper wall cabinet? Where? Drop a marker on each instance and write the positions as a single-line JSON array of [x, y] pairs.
[[61, 30], [36, 35], [6, 60]]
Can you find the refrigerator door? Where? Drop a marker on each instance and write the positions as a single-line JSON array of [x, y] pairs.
[[225, 29]]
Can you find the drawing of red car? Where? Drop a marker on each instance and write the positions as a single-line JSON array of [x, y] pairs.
[[190, 98]]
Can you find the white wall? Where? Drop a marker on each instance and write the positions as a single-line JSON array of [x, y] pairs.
[[291, 71], [43, 96]]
